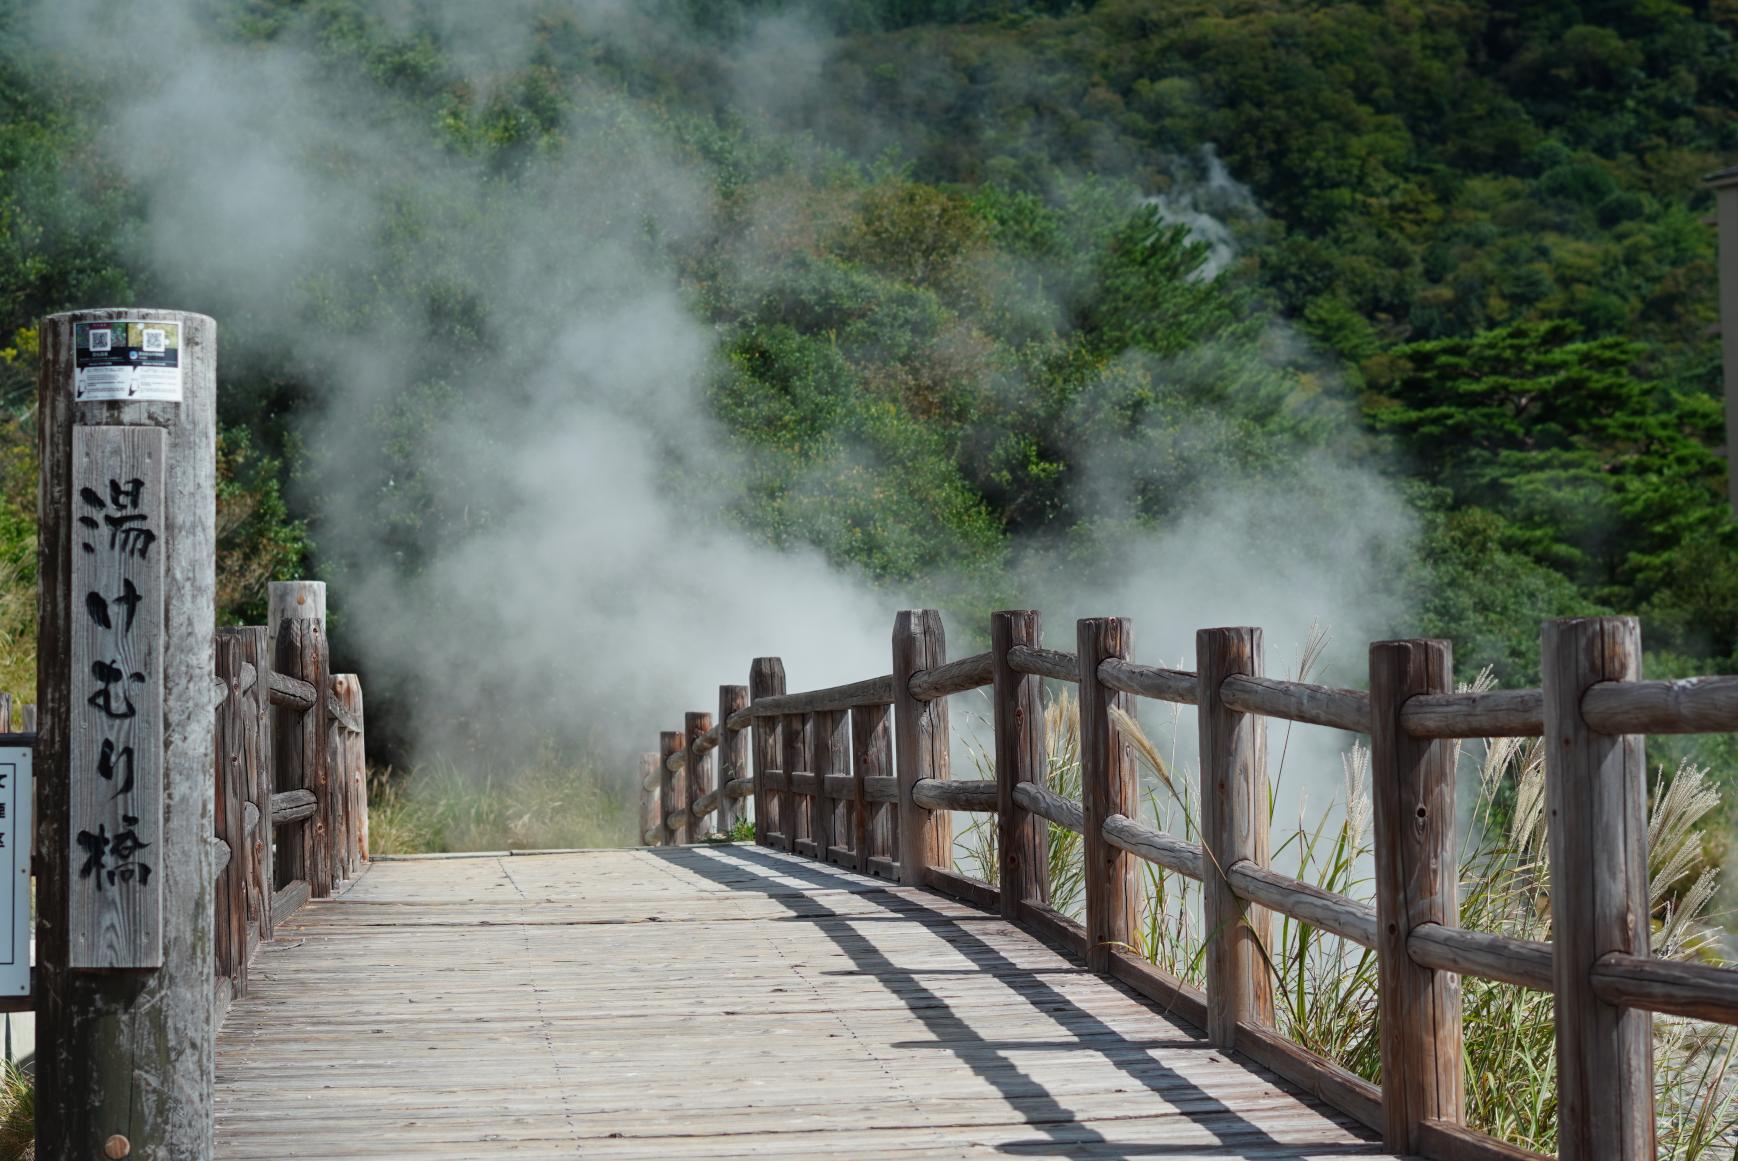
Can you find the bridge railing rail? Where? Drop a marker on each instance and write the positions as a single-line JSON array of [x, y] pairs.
[[858, 776]]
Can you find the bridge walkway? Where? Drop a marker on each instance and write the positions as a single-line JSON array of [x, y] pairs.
[[717, 1002]]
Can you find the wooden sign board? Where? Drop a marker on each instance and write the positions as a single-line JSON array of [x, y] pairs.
[[15, 834], [115, 769]]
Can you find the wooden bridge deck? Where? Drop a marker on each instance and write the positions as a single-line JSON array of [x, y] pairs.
[[710, 1002]]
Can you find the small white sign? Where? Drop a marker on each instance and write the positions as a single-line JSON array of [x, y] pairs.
[[127, 361], [15, 832]]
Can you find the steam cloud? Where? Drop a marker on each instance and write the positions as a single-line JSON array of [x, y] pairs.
[[568, 577]]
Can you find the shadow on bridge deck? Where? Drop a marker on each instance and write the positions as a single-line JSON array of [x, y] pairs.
[[711, 1002]]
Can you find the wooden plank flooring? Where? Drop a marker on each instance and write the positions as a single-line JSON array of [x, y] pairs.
[[710, 1002]]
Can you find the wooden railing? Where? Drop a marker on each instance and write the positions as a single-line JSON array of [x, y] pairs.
[[832, 781]]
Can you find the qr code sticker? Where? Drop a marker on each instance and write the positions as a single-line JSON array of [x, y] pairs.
[[100, 340], [154, 340]]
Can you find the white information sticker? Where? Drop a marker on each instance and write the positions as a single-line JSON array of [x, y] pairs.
[[15, 860], [127, 361]]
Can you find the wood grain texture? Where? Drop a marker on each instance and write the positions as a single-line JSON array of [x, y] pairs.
[[117, 643], [254, 642], [701, 772], [1042, 662], [474, 1008], [1691, 705], [296, 618], [1233, 749], [952, 677], [920, 744], [673, 788], [832, 760], [1108, 787], [733, 760], [128, 1052], [795, 811], [873, 691], [1697, 990], [766, 679], [1305, 901], [651, 801], [872, 762], [1153, 845], [1495, 713], [1172, 685], [1299, 701], [975, 794], [1020, 758], [232, 790], [1417, 869], [1596, 792], [1524, 962], [1049, 805]]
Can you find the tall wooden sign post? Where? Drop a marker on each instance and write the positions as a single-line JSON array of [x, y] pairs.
[[124, 755]]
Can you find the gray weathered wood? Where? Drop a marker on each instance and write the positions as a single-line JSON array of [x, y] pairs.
[[1233, 749], [1044, 662], [766, 679], [702, 772], [1047, 804], [1496, 713], [356, 746], [1446, 948], [953, 677], [1446, 1141], [872, 764], [874, 691], [1596, 791], [1022, 854], [1153, 845], [732, 751], [116, 755], [1691, 705], [128, 1053], [296, 618], [832, 760], [920, 744], [651, 802], [290, 691], [1699, 991], [977, 794], [1108, 787], [257, 757], [798, 759], [1125, 676], [293, 806], [1299, 701], [673, 792], [1417, 864], [1305, 901], [232, 791]]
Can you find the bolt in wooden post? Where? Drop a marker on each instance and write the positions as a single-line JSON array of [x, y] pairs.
[[766, 678], [651, 802], [832, 757], [732, 753], [799, 757], [698, 768], [128, 457], [1596, 790], [674, 792], [1108, 786], [871, 757], [1233, 749], [920, 745], [1417, 865], [296, 612], [1019, 741]]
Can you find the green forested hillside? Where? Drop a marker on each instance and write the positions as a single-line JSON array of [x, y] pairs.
[[956, 253]]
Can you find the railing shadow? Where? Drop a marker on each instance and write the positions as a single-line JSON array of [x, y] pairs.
[[740, 867]]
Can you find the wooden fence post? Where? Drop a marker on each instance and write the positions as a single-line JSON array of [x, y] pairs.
[[732, 753], [297, 623], [1234, 822], [256, 758], [871, 757], [920, 745], [698, 768], [766, 678], [356, 749], [1417, 868], [1023, 874], [126, 436], [1108, 786], [651, 802], [799, 756], [1596, 790], [232, 794], [674, 788], [832, 744]]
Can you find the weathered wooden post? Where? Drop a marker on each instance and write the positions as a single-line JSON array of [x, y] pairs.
[[126, 431], [797, 816], [832, 758], [1108, 786], [651, 802], [1596, 791], [698, 768], [351, 775], [766, 678], [871, 757], [732, 753], [296, 623], [920, 745], [1020, 757], [253, 641], [1233, 749], [234, 717], [673, 794], [1412, 795]]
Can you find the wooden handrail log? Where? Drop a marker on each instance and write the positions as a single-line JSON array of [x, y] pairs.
[[735, 788], [1298, 701], [874, 691], [1478, 953], [1330, 912], [342, 716], [249, 677], [1455, 1142], [1044, 662], [1697, 990], [291, 691], [1153, 845], [249, 818], [676, 761], [290, 805], [711, 739], [954, 677], [652, 778], [1497, 713], [951, 794], [1692, 705], [1046, 803], [1173, 685], [224, 854]]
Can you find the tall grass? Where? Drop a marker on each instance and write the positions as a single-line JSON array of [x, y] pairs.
[[1326, 987], [550, 801]]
